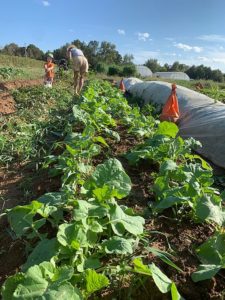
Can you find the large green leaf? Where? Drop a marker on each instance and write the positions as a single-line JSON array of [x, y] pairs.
[[119, 220], [21, 218], [140, 268], [167, 128], [168, 165], [112, 175], [205, 272], [72, 236], [207, 208], [64, 291], [86, 209], [44, 251], [163, 283], [54, 198], [161, 280], [33, 286], [212, 257], [118, 245], [10, 285], [42, 282], [168, 202], [212, 252], [80, 114], [95, 281]]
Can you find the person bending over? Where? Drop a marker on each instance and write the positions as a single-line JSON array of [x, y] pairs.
[[80, 67]]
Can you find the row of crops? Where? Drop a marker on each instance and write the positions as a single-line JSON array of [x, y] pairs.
[[82, 240]]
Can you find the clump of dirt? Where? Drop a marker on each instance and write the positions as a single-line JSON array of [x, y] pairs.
[[7, 104], [16, 84]]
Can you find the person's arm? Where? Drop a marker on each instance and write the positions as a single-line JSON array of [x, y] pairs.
[[50, 68]]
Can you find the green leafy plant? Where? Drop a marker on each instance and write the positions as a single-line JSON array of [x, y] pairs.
[[212, 257]]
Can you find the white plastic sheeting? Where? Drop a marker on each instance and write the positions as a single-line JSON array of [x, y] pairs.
[[201, 117], [143, 71], [172, 75]]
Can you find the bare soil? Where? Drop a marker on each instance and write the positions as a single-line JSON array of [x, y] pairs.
[[16, 84]]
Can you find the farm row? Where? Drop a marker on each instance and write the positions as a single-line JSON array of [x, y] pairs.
[[123, 175]]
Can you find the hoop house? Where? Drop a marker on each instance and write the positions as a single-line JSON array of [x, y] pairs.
[[172, 75]]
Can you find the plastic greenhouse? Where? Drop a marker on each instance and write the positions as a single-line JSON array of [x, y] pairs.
[[172, 75], [143, 71]]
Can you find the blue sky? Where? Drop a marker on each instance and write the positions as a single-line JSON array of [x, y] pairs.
[[190, 31]]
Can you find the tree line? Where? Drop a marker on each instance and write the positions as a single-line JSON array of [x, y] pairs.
[[104, 57], [194, 72]]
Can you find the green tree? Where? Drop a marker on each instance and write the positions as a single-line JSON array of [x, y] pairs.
[[166, 67], [34, 52], [11, 49], [91, 53], [108, 54], [60, 52], [217, 75], [128, 59], [177, 67], [153, 65]]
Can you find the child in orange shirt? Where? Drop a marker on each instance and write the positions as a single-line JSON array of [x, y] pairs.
[[49, 70]]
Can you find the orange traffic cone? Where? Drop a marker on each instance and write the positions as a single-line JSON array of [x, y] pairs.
[[122, 86], [170, 110]]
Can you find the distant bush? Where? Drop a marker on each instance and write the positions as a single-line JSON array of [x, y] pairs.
[[101, 68], [114, 70], [129, 70]]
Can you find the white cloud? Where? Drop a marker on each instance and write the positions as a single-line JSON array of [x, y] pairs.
[[121, 31], [197, 49], [46, 3], [203, 58], [143, 36], [186, 47], [212, 38], [220, 60], [169, 54], [213, 58]]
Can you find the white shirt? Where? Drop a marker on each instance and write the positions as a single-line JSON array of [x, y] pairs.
[[76, 52]]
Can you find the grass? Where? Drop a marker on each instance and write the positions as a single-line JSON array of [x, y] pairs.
[[30, 132], [30, 68], [19, 62]]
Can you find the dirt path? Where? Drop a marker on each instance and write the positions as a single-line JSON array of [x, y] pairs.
[[7, 103]]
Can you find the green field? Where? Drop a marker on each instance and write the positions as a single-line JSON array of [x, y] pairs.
[[15, 67]]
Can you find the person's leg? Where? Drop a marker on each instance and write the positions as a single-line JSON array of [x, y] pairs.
[[83, 73], [76, 74], [76, 82], [81, 83]]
